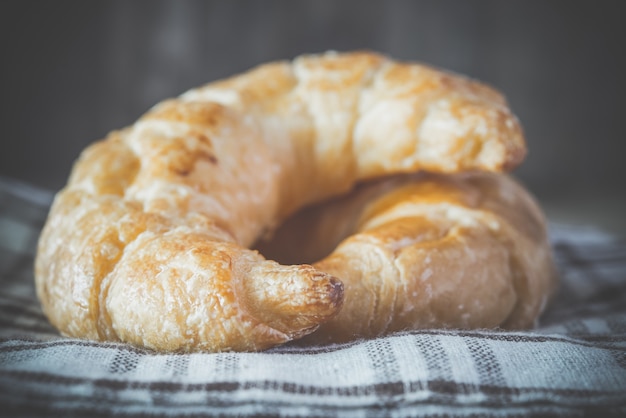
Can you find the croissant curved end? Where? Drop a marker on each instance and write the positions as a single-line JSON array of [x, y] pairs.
[[293, 299]]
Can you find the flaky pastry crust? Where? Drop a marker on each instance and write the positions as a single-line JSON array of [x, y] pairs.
[[149, 241], [466, 250]]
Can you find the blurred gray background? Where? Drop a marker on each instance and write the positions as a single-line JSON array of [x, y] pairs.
[[73, 70]]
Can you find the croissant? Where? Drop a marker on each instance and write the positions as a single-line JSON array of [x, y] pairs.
[[149, 242], [467, 250]]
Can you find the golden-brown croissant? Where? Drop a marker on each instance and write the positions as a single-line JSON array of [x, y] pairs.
[[466, 250], [148, 242]]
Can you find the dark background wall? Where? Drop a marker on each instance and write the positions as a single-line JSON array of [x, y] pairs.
[[73, 70]]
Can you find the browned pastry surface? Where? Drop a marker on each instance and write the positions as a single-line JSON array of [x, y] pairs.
[[148, 242], [467, 250]]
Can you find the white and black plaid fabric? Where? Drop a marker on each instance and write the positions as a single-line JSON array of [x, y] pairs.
[[573, 363]]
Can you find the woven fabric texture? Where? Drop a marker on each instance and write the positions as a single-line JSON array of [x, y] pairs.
[[573, 363]]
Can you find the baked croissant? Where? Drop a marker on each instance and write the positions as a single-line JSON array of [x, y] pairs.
[[466, 250], [149, 241]]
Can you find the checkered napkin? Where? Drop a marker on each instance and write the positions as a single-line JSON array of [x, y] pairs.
[[573, 363]]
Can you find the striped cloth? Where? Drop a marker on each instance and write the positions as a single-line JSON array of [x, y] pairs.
[[573, 363]]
